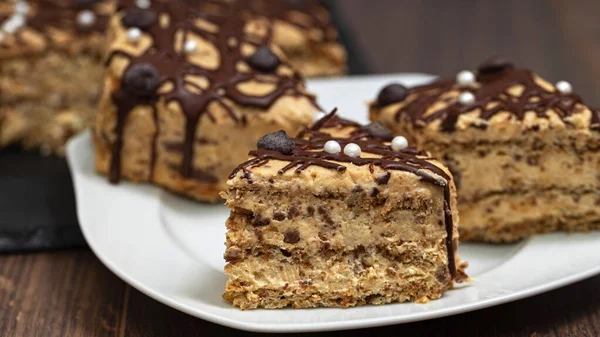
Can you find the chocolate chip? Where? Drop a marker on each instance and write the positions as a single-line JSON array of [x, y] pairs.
[[260, 221], [374, 192], [279, 216], [442, 274], [494, 65], [378, 130], [264, 60], [139, 18], [277, 141], [310, 210], [392, 93], [293, 212], [357, 189], [383, 179], [141, 80], [291, 236]]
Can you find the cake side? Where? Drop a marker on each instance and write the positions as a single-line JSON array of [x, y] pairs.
[[305, 233], [42, 43], [516, 145]]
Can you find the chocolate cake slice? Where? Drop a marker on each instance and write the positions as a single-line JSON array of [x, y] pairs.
[[525, 153], [343, 215]]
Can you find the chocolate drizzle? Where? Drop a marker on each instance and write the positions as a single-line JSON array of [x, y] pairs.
[[309, 152], [491, 98], [174, 67]]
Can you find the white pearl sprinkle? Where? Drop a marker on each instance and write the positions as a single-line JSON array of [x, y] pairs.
[[466, 98], [15, 22], [190, 46], [143, 4], [465, 79], [332, 147], [318, 116], [352, 150], [399, 143], [134, 34], [564, 87], [86, 18], [21, 7]]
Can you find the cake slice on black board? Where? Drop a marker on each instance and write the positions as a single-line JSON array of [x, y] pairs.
[[342, 215]]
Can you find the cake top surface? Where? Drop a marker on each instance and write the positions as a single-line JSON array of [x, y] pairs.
[[343, 147], [33, 25], [496, 95]]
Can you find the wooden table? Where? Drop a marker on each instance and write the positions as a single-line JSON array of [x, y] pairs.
[[70, 293]]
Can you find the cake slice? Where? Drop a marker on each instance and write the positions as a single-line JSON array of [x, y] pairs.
[[525, 153], [341, 216], [188, 92], [50, 69]]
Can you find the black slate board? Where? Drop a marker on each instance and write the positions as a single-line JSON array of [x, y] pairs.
[[37, 204]]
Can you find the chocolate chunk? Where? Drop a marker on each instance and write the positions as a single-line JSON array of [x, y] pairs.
[[139, 18], [391, 93], [277, 141], [264, 60], [378, 130], [374, 192], [279, 216], [293, 212], [383, 179], [291, 237], [310, 210], [141, 80], [260, 221], [494, 65]]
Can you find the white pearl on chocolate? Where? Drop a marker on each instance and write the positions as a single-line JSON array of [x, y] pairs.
[[466, 98], [564, 87], [86, 18], [21, 7], [465, 79], [143, 4], [352, 150], [190, 46], [134, 34], [318, 116], [332, 147], [399, 143]]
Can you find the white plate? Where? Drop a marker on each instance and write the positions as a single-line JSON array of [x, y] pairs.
[[171, 248]]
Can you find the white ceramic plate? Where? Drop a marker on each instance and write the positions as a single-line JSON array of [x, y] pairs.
[[171, 248]]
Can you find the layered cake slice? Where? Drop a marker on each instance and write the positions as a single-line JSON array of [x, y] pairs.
[[188, 92], [50, 69], [525, 153], [341, 216]]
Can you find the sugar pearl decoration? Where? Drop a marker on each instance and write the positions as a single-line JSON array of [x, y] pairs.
[[21, 7], [318, 116], [190, 46], [465, 79], [143, 4], [399, 143], [332, 147], [466, 98], [352, 150], [15, 22], [134, 34], [86, 18], [564, 87]]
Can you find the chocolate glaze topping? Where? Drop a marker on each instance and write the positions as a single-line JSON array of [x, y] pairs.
[[173, 66], [309, 152], [495, 78], [60, 14]]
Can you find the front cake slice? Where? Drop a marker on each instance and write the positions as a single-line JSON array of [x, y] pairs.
[[525, 153], [337, 218], [188, 93]]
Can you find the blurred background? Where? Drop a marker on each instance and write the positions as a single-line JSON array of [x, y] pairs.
[[558, 39]]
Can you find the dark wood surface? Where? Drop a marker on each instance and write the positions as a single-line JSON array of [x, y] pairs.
[[70, 293]]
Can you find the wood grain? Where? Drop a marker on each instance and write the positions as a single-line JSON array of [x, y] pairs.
[[71, 293]]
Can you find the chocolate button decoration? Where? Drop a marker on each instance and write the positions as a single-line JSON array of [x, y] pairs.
[[392, 93], [139, 18], [264, 60], [141, 80], [494, 65], [378, 130], [277, 141]]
